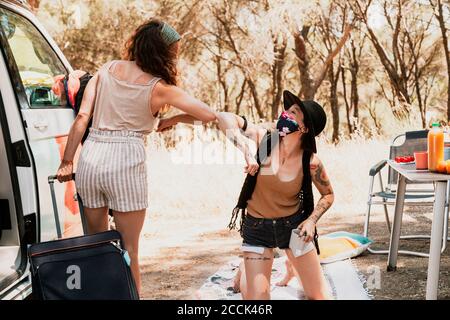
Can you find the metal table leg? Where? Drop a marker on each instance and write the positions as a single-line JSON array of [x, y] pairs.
[[436, 241], [397, 223]]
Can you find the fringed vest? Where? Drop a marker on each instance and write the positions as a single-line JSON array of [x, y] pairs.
[[306, 196]]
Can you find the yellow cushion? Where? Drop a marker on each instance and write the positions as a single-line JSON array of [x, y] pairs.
[[332, 246]]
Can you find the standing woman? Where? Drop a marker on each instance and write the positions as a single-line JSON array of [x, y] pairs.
[[124, 98], [277, 196]]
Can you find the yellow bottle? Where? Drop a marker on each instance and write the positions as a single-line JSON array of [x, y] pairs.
[[435, 147]]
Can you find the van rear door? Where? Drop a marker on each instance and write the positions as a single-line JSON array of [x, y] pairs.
[[18, 192], [34, 63]]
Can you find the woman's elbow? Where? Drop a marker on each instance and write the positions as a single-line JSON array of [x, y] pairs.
[[331, 198], [81, 121]]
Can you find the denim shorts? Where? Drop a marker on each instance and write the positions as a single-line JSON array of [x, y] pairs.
[[269, 233]]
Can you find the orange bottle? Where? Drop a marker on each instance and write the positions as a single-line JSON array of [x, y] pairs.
[[435, 147]]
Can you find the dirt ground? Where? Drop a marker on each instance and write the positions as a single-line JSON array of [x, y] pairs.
[[178, 255]]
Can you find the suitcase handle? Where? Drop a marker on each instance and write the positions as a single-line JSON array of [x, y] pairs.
[[52, 179], [51, 182]]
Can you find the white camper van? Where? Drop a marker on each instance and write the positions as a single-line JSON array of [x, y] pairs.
[[34, 125]]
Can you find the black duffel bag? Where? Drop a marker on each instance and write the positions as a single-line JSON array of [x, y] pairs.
[[89, 267], [92, 267]]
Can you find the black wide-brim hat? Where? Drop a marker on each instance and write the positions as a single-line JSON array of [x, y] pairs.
[[315, 117]]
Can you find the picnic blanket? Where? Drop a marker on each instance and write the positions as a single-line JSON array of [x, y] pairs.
[[345, 282]]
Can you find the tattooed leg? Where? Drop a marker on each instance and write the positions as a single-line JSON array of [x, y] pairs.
[[258, 269], [258, 258]]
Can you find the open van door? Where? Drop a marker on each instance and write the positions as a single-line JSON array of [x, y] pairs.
[[35, 123]]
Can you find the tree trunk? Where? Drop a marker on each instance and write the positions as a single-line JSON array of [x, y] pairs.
[[334, 101], [354, 96], [277, 73], [306, 90], [347, 105], [416, 74], [419, 96], [443, 28], [256, 101], [331, 55], [240, 97], [223, 85], [310, 86], [397, 82]]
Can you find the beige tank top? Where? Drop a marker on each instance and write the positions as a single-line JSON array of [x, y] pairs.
[[120, 105], [273, 197]]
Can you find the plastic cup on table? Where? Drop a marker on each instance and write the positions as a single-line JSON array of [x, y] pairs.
[[421, 160]]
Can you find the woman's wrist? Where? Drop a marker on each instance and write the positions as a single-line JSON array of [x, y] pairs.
[[183, 118], [244, 125], [174, 120], [65, 161]]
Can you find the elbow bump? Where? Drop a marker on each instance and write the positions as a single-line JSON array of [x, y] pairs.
[[331, 196], [213, 116], [221, 116]]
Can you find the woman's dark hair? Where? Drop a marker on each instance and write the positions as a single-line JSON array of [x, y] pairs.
[[147, 48], [305, 140]]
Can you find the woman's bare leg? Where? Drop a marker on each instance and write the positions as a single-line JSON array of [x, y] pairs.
[[290, 273], [258, 270], [96, 219], [240, 282], [129, 224], [311, 275]]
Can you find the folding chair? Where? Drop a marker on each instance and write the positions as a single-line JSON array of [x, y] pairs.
[[414, 141]]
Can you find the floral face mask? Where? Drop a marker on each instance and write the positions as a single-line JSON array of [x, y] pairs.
[[286, 124]]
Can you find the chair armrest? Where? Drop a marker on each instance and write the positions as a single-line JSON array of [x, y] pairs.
[[376, 168]]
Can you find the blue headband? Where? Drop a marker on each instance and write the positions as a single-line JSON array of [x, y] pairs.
[[169, 34]]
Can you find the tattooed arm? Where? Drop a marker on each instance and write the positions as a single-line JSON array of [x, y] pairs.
[[322, 183]]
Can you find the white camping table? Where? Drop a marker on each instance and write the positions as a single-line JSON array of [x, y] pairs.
[[409, 173]]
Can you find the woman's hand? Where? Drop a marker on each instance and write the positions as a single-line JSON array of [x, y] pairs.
[[252, 165], [65, 171], [307, 230], [165, 124]]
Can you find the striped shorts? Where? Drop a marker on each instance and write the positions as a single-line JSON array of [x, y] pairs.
[[112, 171]]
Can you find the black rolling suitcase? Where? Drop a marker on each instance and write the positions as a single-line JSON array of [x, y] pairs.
[[90, 267]]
